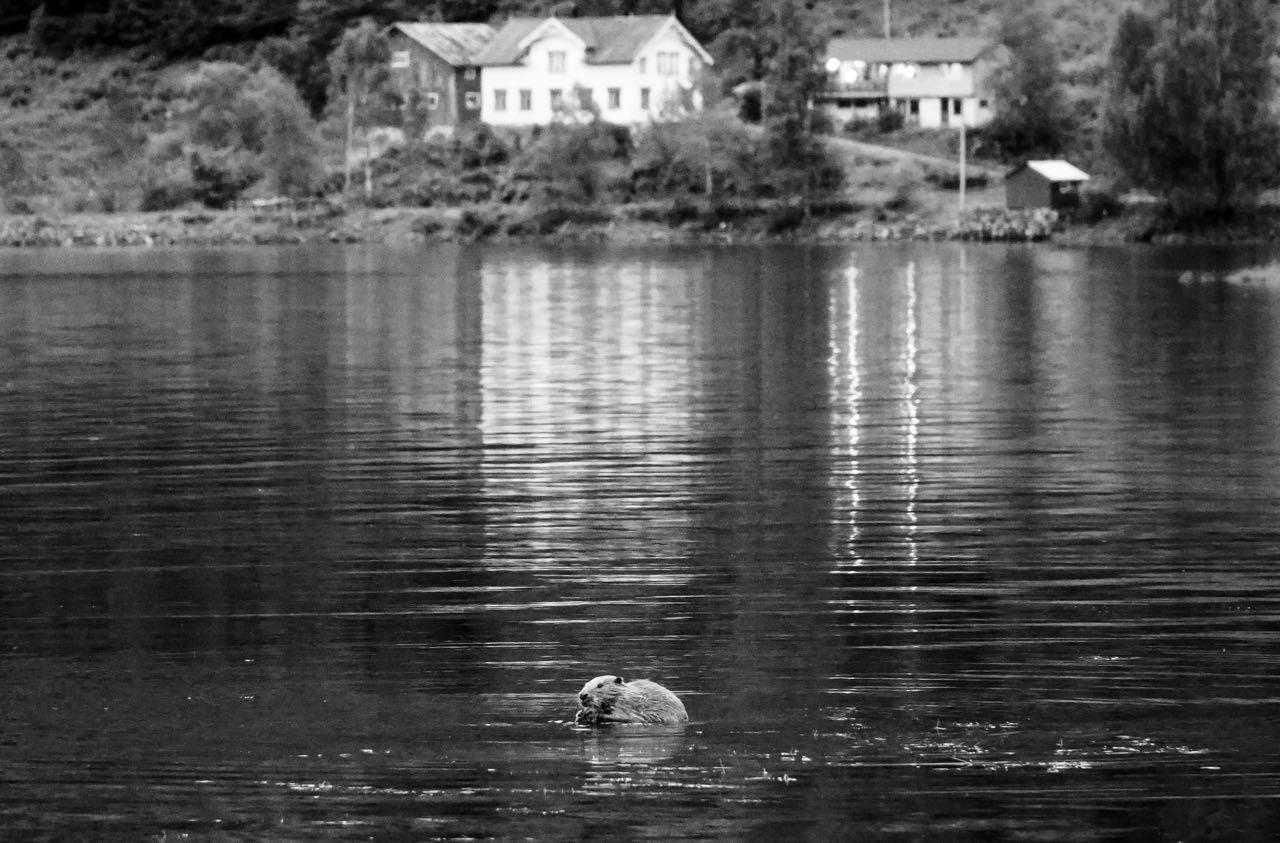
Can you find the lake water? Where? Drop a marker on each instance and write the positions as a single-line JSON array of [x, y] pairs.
[[935, 542]]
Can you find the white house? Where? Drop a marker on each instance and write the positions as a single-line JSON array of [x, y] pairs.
[[932, 82], [627, 69]]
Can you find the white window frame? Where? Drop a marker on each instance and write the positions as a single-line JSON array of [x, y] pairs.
[[471, 100], [556, 61], [400, 59], [526, 99], [614, 99], [500, 99], [433, 100]]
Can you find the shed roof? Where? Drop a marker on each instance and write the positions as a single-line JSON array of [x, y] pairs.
[[921, 50], [614, 39], [456, 43], [1054, 170]]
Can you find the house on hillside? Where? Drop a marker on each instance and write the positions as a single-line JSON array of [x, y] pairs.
[[627, 69], [1052, 184], [434, 70], [932, 82]]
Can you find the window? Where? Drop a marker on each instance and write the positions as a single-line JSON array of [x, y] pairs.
[[499, 100], [433, 100], [526, 99], [469, 73], [555, 61], [615, 98], [913, 106], [471, 100], [955, 106], [644, 99], [585, 101], [694, 65], [668, 63], [400, 58], [557, 98], [644, 65]]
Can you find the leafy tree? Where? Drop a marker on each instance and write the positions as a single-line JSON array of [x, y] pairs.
[[238, 128], [1190, 109], [1032, 117]]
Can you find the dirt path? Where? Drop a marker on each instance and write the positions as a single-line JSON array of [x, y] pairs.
[[849, 151]]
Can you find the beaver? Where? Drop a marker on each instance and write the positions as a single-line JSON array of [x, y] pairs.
[[610, 699]]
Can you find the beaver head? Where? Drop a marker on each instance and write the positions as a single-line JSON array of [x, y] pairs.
[[599, 693]]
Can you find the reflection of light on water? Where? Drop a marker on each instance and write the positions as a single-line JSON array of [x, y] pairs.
[[912, 406], [846, 378], [587, 388]]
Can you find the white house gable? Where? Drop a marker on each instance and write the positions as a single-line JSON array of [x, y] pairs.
[[626, 70]]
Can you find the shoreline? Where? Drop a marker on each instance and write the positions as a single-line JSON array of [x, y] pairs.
[[665, 223]]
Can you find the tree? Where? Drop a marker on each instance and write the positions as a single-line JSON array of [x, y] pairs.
[[1031, 117], [358, 67], [238, 127], [1190, 104], [793, 80]]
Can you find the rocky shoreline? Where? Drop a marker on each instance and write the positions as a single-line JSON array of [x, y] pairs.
[[625, 224]]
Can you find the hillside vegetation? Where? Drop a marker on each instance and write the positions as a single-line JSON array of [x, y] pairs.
[[91, 93]]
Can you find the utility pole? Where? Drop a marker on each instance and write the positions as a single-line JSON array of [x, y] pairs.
[[888, 32]]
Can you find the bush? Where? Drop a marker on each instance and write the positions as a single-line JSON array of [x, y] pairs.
[[890, 120], [950, 180], [785, 219], [549, 220], [1097, 205]]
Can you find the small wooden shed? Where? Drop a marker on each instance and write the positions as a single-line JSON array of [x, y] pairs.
[[1044, 184]]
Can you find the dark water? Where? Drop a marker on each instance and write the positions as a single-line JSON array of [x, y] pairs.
[[935, 543]]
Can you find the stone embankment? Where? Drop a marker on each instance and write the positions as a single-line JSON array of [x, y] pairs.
[[165, 229], [230, 228], [987, 225]]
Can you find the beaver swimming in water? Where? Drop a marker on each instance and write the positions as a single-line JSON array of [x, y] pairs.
[[609, 699]]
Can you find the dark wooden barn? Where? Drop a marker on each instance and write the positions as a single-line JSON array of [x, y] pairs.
[[435, 73]]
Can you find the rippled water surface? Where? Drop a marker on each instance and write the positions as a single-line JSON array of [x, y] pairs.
[[934, 543]]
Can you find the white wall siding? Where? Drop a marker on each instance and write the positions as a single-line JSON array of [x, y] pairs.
[[668, 93]]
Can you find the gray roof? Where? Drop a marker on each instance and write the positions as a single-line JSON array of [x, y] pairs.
[[918, 50], [456, 43], [616, 39]]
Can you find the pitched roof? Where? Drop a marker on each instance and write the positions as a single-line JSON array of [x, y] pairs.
[[1056, 170], [920, 50], [616, 39], [456, 43]]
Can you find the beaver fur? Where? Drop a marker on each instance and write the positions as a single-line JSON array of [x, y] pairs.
[[610, 699]]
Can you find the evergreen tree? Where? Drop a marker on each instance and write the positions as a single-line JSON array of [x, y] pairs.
[[793, 79], [1190, 109], [1031, 118]]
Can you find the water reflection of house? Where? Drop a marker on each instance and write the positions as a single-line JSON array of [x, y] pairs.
[[932, 82], [1044, 184], [434, 70]]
